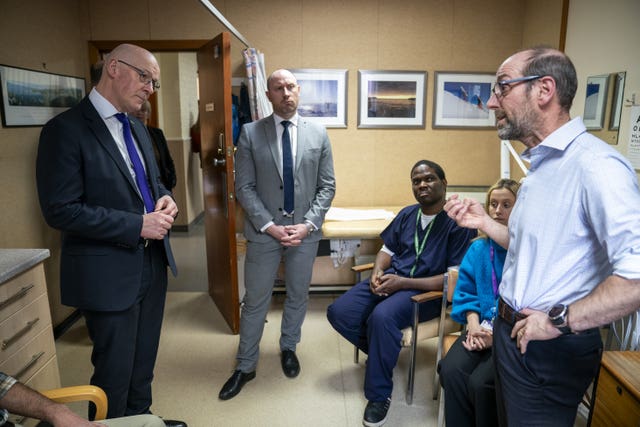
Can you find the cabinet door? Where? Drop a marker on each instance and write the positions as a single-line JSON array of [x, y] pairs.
[[615, 406]]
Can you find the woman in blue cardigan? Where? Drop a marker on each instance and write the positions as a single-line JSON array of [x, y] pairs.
[[466, 373]]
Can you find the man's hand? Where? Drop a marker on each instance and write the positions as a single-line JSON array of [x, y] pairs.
[[156, 225], [389, 284], [167, 205], [536, 327], [289, 235], [63, 417], [295, 234], [468, 213], [374, 280]]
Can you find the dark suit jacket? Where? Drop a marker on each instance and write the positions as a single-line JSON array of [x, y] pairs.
[[86, 191], [163, 156]]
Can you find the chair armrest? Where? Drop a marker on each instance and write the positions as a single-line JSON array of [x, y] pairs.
[[427, 296], [362, 267], [81, 393]]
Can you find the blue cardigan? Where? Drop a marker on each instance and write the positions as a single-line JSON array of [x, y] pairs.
[[474, 289]]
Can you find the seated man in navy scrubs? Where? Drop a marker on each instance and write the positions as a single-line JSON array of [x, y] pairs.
[[419, 245]]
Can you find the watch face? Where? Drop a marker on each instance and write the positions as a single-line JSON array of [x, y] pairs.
[[558, 314], [556, 311]]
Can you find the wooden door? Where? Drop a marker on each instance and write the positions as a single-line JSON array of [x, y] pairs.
[[217, 155]]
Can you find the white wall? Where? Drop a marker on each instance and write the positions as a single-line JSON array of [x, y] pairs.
[[602, 38]]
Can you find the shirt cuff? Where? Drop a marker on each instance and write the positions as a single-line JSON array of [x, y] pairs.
[[267, 225]]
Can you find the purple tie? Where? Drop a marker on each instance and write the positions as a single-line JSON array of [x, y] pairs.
[[141, 177]]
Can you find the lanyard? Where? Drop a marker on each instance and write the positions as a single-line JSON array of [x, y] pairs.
[[494, 279], [419, 247]]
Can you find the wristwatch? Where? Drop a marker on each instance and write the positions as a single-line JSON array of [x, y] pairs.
[[559, 314], [310, 228]]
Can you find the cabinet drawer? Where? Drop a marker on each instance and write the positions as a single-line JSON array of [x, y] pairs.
[[615, 406], [21, 290], [46, 378], [31, 357], [22, 326]]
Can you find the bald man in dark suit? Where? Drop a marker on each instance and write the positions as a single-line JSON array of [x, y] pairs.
[[102, 190]]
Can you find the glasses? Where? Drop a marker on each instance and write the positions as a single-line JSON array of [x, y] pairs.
[[500, 89], [144, 77]]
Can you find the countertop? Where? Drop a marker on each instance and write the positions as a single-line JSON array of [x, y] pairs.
[[15, 261]]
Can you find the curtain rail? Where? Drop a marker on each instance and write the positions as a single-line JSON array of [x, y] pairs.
[[224, 22]]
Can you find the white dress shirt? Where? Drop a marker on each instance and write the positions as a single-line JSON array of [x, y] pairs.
[[575, 222]]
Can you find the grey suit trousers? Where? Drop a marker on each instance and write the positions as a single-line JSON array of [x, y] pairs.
[[261, 266]]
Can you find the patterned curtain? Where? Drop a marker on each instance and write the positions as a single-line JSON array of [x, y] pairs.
[[256, 83]]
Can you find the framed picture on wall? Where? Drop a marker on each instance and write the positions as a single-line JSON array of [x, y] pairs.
[[31, 98], [323, 96], [460, 100], [595, 102], [616, 100], [391, 99]]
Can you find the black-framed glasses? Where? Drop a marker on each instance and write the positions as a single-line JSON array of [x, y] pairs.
[[144, 76], [500, 89]]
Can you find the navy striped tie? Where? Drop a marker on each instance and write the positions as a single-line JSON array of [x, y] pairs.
[[287, 168]]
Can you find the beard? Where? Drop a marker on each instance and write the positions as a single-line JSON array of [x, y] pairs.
[[510, 130], [516, 126]]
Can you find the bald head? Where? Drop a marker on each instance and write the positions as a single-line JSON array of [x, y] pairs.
[[283, 91], [128, 77], [279, 74]]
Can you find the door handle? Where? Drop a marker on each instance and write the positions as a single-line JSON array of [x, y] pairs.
[[219, 162], [221, 143]]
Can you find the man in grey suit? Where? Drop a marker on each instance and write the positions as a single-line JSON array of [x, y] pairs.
[[98, 183], [284, 208]]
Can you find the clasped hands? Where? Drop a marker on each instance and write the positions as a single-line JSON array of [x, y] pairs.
[[384, 284], [478, 338], [288, 235], [156, 224]]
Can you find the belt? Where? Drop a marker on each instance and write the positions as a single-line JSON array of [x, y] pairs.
[[507, 313]]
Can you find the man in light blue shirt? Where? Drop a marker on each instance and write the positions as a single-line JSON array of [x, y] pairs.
[[573, 261]]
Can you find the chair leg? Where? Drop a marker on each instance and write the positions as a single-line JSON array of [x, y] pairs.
[[441, 409], [436, 382], [414, 347], [436, 376], [356, 354]]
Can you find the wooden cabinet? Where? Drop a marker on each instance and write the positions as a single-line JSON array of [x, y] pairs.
[[618, 391], [27, 348]]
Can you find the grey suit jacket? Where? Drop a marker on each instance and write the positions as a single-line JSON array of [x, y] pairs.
[[259, 184]]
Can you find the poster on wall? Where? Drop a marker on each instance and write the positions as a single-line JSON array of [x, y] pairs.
[[634, 138], [323, 96], [31, 98]]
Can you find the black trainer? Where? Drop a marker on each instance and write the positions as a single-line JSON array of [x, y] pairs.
[[375, 414]]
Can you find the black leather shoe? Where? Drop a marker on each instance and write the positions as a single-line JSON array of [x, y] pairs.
[[174, 423], [290, 364], [235, 384]]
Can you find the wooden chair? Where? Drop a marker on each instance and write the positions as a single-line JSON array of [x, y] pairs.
[[79, 394], [420, 331], [445, 341]]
